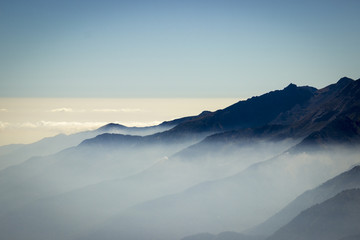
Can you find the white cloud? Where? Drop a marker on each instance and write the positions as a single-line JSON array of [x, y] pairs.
[[64, 109], [67, 110], [131, 110], [25, 125], [68, 127], [3, 110], [118, 110], [52, 125], [3, 125], [106, 110]]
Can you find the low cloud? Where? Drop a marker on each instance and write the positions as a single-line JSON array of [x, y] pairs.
[[101, 110], [3, 110], [118, 110], [131, 110], [67, 110], [3, 125], [68, 127], [61, 126], [25, 125], [64, 109]]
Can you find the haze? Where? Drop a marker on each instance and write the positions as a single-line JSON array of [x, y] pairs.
[[25, 120]]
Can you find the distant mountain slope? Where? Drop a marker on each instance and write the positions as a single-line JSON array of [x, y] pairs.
[[253, 112], [342, 128], [18, 153], [333, 219], [347, 180], [294, 112], [331, 116], [237, 202], [341, 131], [43, 147], [6, 149], [338, 117], [142, 131], [326, 104], [95, 203]]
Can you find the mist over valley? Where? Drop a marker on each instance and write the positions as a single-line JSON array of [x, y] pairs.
[[262, 168]]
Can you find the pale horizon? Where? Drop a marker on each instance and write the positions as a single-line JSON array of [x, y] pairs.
[[27, 120]]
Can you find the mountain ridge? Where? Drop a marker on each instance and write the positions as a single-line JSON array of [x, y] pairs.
[[333, 219], [239, 115], [346, 180]]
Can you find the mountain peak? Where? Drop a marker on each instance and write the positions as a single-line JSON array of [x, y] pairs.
[[344, 81], [111, 126], [291, 86]]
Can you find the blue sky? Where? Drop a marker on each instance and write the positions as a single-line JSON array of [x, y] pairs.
[[180, 49]]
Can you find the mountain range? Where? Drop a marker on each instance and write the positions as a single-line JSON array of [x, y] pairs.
[[347, 180], [243, 172], [334, 219]]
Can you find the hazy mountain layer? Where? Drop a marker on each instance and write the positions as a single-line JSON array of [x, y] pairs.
[[234, 203], [187, 179], [347, 180], [17, 153], [333, 219]]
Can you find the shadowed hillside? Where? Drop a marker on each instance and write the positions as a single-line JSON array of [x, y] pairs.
[[333, 219]]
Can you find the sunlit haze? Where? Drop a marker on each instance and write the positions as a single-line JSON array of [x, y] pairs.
[[25, 120]]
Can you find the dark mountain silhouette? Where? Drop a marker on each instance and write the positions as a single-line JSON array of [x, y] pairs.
[[343, 130], [326, 104], [294, 112], [340, 127], [338, 117], [114, 127], [333, 219], [271, 115], [254, 112], [178, 121], [330, 117], [347, 180]]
